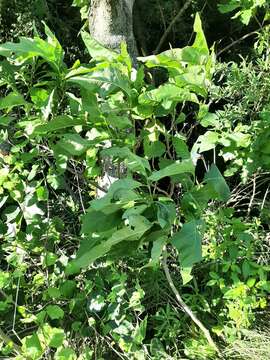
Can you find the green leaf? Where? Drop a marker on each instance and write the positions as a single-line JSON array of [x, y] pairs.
[[165, 93], [27, 48], [156, 251], [95, 49], [207, 141], [55, 312], [200, 40], [31, 347], [179, 167], [53, 337], [214, 178], [65, 354], [136, 228], [11, 100], [74, 144], [68, 288], [134, 162], [100, 221], [225, 8], [58, 123], [153, 149], [188, 243], [181, 148]]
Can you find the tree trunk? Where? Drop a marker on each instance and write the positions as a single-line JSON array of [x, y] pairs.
[[111, 23]]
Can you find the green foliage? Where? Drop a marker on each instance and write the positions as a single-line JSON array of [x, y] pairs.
[[245, 8], [80, 275]]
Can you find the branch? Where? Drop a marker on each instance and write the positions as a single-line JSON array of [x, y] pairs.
[[169, 28], [237, 41], [183, 305]]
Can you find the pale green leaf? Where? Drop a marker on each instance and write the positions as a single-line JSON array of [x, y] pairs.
[[178, 167]]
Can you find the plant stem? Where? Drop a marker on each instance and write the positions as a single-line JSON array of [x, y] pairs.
[[7, 340], [183, 305]]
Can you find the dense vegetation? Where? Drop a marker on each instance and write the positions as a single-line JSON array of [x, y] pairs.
[[173, 261]]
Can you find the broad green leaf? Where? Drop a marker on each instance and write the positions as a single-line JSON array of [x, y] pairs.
[[153, 149], [55, 312], [156, 250], [116, 188], [65, 354], [100, 221], [95, 49], [186, 275], [179, 167], [200, 40], [58, 123], [51, 336], [188, 243], [207, 141], [225, 8], [94, 80], [29, 48], [214, 178], [195, 201], [181, 148], [165, 93], [32, 347], [138, 225], [74, 144], [134, 162], [11, 100]]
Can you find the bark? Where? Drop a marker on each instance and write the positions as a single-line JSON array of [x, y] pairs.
[[111, 23]]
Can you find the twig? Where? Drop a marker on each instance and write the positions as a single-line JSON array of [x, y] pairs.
[[183, 305], [264, 198], [253, 195], [237, 41], [91, 182], [169, 28], [7, 340]]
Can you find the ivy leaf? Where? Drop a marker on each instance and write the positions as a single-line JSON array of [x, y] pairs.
[[188, 243], [179, 167], [214, 178]]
